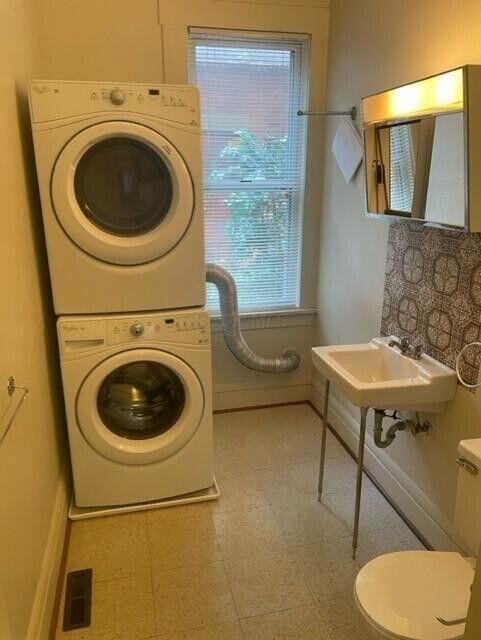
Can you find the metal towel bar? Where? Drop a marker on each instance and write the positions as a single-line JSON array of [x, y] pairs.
[[352, 113]]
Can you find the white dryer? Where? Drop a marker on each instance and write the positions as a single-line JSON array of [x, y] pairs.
[[120, 176], [138, 403]]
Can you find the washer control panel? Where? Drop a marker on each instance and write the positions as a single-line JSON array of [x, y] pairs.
[[79, 334], [51, 100], [191, 328]]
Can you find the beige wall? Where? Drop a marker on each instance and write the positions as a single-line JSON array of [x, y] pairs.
[[374, 45], [147, 41], [108, 40], [473, 627], [30, 456], [236, 386]]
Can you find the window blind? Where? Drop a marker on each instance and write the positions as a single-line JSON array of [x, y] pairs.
[[254, 154], [402, 168]]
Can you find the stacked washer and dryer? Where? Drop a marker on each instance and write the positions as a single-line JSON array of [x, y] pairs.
[[120, 176]]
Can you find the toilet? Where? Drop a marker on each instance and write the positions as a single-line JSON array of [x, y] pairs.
[[399, 596]]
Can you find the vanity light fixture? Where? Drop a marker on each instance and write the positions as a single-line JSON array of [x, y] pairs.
[[440, 93]]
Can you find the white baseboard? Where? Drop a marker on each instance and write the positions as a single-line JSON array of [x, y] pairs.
[[405, 494], [240, 395], [40, 618]]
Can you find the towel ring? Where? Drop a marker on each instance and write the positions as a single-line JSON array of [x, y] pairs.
[[458, 373]]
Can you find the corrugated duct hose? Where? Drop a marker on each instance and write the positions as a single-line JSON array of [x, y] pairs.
[[227, 290]]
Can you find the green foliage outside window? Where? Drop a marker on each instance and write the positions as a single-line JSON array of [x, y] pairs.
[[258, 229]]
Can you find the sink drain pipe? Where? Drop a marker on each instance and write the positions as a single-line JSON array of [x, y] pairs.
[[226, 287], [414, 426]]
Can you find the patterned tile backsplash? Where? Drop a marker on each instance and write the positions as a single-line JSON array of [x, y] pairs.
[[432, 291]]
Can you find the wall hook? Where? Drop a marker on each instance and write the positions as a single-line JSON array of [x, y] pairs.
[[11, 410], [12, 386]]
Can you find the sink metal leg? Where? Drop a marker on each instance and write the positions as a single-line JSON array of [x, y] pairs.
[[323, 439], [360, 463]]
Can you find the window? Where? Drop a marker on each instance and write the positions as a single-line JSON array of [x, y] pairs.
[[254, 152]]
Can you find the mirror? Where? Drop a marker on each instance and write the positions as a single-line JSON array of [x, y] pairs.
[[417, 169], [402, 164], [446, 188], [422, 150]]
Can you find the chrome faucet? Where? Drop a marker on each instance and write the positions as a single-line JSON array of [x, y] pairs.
[[406, 348]]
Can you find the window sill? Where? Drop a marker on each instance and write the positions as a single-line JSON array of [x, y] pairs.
[[270, 319]]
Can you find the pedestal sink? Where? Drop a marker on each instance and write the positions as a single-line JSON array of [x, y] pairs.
[[376, 375]]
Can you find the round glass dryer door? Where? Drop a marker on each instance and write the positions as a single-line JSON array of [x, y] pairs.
[[123, 186], [122, 193], [140, 406]]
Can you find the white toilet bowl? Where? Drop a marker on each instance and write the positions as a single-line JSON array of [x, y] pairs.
[[400, 595]]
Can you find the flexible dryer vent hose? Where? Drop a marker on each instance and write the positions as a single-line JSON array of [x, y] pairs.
[[227, 290]]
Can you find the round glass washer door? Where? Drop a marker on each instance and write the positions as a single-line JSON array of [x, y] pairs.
[[122, 193], [140, 406]]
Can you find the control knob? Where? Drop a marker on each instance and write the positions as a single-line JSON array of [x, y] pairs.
[[117, 96], [137, 329]]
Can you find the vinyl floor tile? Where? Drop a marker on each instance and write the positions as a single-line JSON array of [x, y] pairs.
[[192, 597], [301, 623], [376, 512], [308, 522], [239, 491], [290, 483], [114, 547], [326, 580], [183, 542], [341, 618], [227, 631], [247, 532], [267, 582]]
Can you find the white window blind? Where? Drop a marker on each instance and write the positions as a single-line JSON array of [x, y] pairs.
[[402, 168], [254, 153]]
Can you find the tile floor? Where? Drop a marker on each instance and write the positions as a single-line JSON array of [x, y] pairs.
[[266, 561]]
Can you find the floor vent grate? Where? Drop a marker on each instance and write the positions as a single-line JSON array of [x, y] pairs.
[[78, 600]]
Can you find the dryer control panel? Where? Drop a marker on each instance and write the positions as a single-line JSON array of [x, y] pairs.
[[86, 334], [50, 100]]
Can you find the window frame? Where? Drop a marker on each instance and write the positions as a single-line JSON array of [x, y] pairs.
[[300, 74]]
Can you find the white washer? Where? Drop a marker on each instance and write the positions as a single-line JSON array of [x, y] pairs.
[[138, 403], [120, 176]]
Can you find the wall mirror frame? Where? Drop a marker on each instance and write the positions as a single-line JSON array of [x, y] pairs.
[[422, 150]]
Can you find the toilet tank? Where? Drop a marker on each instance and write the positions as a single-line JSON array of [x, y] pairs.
[[467, 517]]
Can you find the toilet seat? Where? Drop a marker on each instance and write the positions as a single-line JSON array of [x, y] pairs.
[[401, 594]]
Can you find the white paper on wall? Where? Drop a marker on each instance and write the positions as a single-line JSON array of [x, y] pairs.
[[347, 149]]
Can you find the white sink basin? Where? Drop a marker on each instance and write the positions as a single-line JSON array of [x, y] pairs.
[[377, 375]]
